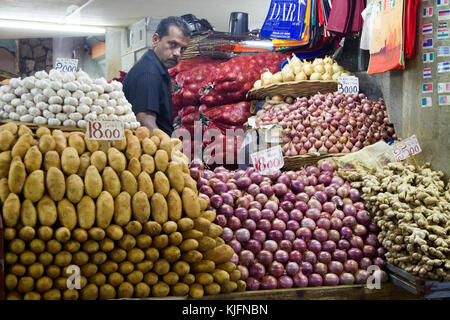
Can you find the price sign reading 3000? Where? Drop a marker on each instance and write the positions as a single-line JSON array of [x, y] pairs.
[[105, 130]]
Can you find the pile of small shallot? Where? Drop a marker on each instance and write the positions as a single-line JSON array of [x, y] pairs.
[[293, 229], [329, 123]]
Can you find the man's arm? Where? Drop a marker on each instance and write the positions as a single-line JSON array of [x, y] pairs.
[[147, 119]]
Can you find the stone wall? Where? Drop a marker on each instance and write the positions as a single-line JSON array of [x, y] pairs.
[[35, 55]]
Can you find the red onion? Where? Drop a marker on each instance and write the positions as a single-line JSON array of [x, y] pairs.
[[271, 205], [306, 268], [226, 210], [267, 214], [357, 242], [264, 225], [241, 213], [359, 230], [285, 282], [381, 252], [379, 262], [265, 257], [300, 280], [324, 223], [302, 206], [243, 182], [289, 235], [304, 233], [227, 198], [349, 210], [303, 196], [227, 234], [281, 256], [206, 190], [324, 257], [269, 282], [331, 279], [299, 244], [343, 244], [254, 214], [351, 266], [261, 198], [320, 268], [244, 272], [336, 267], [363, 217], [234, 223], [346, 232], [259, 236], [361, 276], [253, 189], [276, 269], [296, 215], [355, 254], [329, 246], [275, 235], [280, 189], [314, 246], [297, 186], [257, 271], [313, 213], [236, 245], [346, 279], [292, 268], [250, 225], [315, 280], [336, 223], [340, 255], [252, 284], [334, 235], [285, 245], [246, 258], [266, 190], [270, 245], [221, 220], [320, 234], [256, 177], [308, 223], [283, 215], [364, 263], [349, 221]]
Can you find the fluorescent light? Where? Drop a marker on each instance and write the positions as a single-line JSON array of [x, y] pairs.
[[41, 26]]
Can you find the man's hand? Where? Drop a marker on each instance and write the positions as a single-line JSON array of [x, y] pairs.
[[147, 119]]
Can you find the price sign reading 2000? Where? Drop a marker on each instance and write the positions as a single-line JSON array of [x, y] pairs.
[[105, 130]]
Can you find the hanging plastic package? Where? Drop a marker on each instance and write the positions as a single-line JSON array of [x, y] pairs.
[[285, 20], [366, 34]]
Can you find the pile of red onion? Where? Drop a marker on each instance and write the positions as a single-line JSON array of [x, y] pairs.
[[293, 229], [329, 123]]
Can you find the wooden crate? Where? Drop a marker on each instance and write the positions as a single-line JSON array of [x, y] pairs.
[[35, 126], [298, 162], [294, 89]]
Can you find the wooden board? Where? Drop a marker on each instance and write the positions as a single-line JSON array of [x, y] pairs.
[[388, 291], [35, 126]]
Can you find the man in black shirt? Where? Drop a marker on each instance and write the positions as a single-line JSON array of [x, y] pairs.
[[148, 86]]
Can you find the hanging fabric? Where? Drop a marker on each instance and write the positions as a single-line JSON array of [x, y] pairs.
[[410, 28]]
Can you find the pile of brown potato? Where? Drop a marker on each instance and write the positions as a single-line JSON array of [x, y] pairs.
[[130, 218]]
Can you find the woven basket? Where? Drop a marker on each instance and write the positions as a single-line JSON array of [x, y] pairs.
[[294, 89], [298, 162]]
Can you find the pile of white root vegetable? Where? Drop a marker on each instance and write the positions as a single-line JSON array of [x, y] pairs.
[[412, 208]]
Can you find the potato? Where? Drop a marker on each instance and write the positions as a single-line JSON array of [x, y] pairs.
[[119, 144], [171, 278], [204, 278], [67, 216], [85, 162], [60, 142], [17, 246], [4, 190], [122, 208], [105, 209], [192, 256], [161, 183], [114, 232], [46, 258], [79, 234], [5, 162], [47, 213], [145, 184], [55, 183], [160, 290], [175, 238], [79, 258], [192, 234], [141, 207], [235, 275], [70, 294], [203, 206], [128, 182], [17, 175], [106, 292], [109, 267], [156, 141], [191, 206], [220, 254], [90, 246], [147, 164], [44, 284], [89, 269], [229, 287], [128, 242], [190, 183], [151, 278], [126, 267], [170, 227], [115, 279], [63, 258], [189, 244], [171, 253], [91, 145], [47, 143], [106, 245], [93, 183], [9, 233], [53, 271], [6, 139], [221, 276], [90, 292], [126, 290], [70, 161], [99, 258], [11, 210], [133, 147], [214, 230], [152, 254], [143, 241], [227, 266], [196, 291], [135, 277], [161, 160], [167, 146], [34, 188], [142, 290], [25, 284], [74, 188], [133, 227], [159, 209], [76, 140], [201, 224], [161, 267], [62, 234], [134, 166], [32, 296], [22, 145], [188, 279], [175, 174], [160, 241], [51, 159], [18, 270], [135, 255], [42, 131], [149, 147], [86, 212], [212, 289], [45, 233], [11, 258], [144, 266], [98, 160], [33, 159], [142, 133], [27, 233], [204, 266], [72, 246], [160, 134], [98, 279], [152, 228], [116, 160], [27, 258], [174, 204], [208, 215], [206, 243], [96, 233]]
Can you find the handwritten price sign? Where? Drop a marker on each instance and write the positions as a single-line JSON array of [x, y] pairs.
[[348, 85], [66, 65], [404, 149], [268, 160], [105, 130]]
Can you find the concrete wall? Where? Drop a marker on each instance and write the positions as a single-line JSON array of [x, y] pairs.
[[113, 52]]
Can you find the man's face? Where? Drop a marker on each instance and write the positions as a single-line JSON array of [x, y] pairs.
[[170, 48]]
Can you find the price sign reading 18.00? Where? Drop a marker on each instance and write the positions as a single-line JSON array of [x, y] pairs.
[[404, 149], [105, 130], [348, 85], [269, 160]]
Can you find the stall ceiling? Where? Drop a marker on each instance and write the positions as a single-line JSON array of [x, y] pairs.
[[119, 13]]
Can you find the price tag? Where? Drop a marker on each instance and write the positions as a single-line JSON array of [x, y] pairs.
[[348, 85], [66, 65], [105, 130], [268, 160], [405, 148]]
